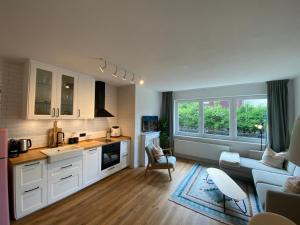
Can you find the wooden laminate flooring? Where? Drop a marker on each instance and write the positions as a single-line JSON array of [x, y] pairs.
[[127, 197]]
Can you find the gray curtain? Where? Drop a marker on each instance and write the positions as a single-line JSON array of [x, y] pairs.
[[167, 113], [278, 115]]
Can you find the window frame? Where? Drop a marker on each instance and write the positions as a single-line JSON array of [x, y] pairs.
[[176, 119], [232, 119], [249, 139]]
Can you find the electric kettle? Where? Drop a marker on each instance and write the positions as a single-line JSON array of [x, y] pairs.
[[24, 145]]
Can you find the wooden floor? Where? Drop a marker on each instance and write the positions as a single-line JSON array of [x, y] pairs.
[[126, 197]]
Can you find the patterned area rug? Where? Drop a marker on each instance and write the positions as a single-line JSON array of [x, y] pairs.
[[201, 195]]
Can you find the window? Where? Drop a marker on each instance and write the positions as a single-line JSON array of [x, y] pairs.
[[188, 117], [231, 118], [250, 113], [216, 117]]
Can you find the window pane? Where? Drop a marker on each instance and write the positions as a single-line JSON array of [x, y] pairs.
[[250, 113], [216, 117], [188, 115]]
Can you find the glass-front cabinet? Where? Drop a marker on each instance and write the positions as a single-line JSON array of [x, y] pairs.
[[55, 93], [42, 94], [67, 94], [52, 92]]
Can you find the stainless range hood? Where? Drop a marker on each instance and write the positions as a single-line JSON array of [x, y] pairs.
[[100, 110]]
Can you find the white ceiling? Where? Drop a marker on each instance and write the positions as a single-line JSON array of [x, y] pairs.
[[172, 44]]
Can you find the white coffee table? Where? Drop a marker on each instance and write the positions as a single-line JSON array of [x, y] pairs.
[[228, 187]]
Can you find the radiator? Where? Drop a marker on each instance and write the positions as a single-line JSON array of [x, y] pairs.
[[199, 149]]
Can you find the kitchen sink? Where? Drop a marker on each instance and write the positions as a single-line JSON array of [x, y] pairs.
[[105, 140], [63, 152]]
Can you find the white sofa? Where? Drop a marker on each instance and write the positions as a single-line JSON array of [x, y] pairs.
[[268, 182]]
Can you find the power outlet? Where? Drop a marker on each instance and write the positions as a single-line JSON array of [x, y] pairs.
[[82, 135]]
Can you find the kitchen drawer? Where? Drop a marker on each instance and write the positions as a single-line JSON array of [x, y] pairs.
[[64, 166], [124, 147], [31, 199], [110, 170], [30, 173], [124, 161], [64, 185]]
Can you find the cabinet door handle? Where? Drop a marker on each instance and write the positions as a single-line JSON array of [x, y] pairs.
[[64, 167], [78, 112], [32, 164], [125, 155], [32, 189], [53, 112], [111, 168], [92, 150], [57, 112], [63, 178]]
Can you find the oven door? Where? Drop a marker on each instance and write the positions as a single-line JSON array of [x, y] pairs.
[[110, 155]]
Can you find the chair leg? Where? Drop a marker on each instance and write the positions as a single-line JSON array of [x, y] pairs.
[[146, 169], [170, 174]]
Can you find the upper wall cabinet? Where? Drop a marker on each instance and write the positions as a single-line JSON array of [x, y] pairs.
[[86, 97], [54, 93]]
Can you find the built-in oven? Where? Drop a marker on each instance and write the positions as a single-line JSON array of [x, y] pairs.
[[110, 155]]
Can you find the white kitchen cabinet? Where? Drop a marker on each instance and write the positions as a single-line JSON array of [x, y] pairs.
[[64, 178], [42, 85], [58, 93], [91, 166], [86, 97], [67, 85], [29, 187], [125, 153]]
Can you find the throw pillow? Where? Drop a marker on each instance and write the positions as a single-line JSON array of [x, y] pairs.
[[157, 152], [292, 185], [273, 159]]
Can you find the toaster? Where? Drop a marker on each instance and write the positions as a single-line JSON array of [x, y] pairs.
[[115, 131]]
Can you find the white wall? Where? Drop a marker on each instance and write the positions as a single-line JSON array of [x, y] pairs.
[[148, 103], [126, 116], [297, 95], [224, 91], [11, 115], [135, 101]]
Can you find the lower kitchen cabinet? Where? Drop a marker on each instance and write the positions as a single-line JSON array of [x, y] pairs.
[[91, 165], [38, 183], [124, 154], [64, 178], [30, 187]]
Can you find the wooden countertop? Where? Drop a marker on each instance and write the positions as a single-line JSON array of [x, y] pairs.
[[35, 154]]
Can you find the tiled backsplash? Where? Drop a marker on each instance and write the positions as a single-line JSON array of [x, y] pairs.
[[12, 114]]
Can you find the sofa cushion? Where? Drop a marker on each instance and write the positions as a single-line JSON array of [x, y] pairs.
[[290, 167], [297, 171], [260, 176], [230, 159], [273, 159], [292, 185], [250, 164], [262, 188], [162, 162]]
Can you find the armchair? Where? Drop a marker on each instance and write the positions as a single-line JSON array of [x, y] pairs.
[[166, 161]]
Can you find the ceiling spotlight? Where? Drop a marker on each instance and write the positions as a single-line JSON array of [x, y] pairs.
[[116, 71], [102, 68], [132, 79], [141, 81], [124, 76]]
